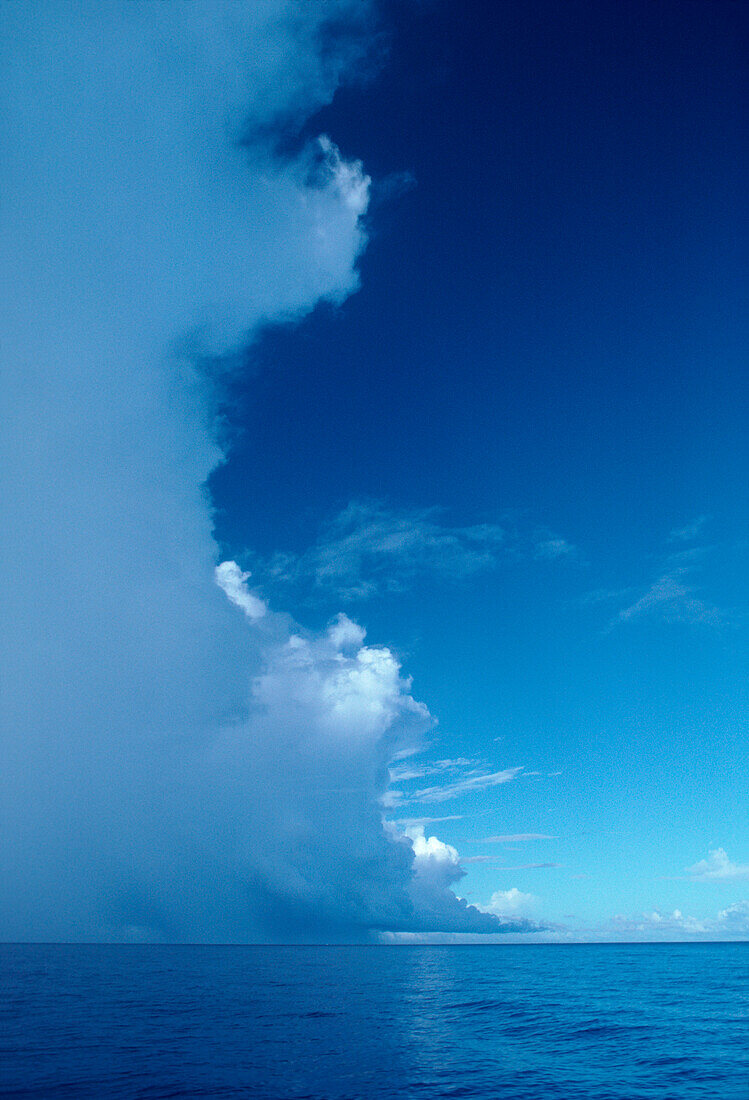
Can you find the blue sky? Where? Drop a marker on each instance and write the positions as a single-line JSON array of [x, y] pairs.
[[549, 338], [432, 320]]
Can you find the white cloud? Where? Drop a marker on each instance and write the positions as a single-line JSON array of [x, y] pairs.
[[718, 866], [729, 923], [467, 785], [346, 634], [233, 581], [431, 852], [516, 838], [510, 903], [348, 177], [734, 919], [673, 597], [401, 773], [302, 774], [437, 868]]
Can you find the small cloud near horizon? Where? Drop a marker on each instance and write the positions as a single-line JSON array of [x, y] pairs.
[[717, 866], [509, 903]]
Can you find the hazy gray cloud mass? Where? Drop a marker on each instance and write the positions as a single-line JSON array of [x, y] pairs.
[[172, 768]]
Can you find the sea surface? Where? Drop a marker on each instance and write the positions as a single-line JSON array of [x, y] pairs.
[[610, 1022]]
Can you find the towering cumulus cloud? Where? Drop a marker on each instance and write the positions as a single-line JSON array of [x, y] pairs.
[[175, 764]]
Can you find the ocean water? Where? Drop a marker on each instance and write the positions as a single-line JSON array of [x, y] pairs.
[[609, 1022]]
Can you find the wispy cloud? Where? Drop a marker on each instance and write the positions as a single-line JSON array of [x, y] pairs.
[[401, 773], [466, 785], [550, 548], [370, 548], [674, 595], [417, 822], [516, 838], [672, 599], [517, 867], [718, 866], [689, 531]]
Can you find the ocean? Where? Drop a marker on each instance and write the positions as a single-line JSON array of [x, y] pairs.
[[600, 1022]]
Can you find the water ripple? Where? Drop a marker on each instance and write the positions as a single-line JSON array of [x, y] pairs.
[[600, 1022]]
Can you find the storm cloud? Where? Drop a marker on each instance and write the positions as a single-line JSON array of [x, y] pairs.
[[172, 768]]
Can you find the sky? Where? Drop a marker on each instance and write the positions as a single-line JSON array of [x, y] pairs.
[[374, 471]]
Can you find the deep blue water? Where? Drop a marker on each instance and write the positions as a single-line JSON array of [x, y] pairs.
[[596, 1021]]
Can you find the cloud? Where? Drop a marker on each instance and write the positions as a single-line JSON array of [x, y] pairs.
[[347, 176], [671, 599], [734, 919], [401, 773], [510, 903], [346, 634], [517, 867], [302, 774], [146, 213], [516, 838], [411, 821], [437, 867], [729, 923], [327, 715], [369, 548], [174, 770], [656, 926], [467, 785], [689, 531], [551, 549], [233, 581], [718, 866]]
